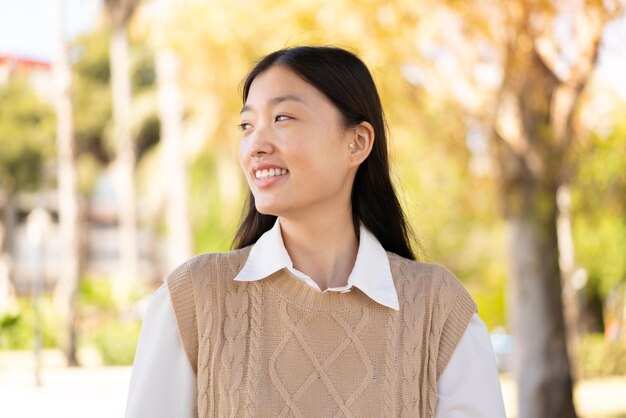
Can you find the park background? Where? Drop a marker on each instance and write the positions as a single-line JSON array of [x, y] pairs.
[[118, 145]]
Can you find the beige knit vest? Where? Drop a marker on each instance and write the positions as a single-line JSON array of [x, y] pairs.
[[278, 348]]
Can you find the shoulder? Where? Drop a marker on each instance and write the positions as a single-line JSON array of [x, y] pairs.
[[196, 282], [204, 271], [418, 279], [406, 269], [207, 264]]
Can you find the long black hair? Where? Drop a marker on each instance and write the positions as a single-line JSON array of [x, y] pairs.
[[345, 80]]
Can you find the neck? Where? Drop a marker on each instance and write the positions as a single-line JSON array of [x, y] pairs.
[[324, 247]]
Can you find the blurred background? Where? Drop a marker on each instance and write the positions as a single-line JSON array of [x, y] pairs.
[[118, 160]]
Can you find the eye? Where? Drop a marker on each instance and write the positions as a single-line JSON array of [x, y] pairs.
[[244, 126], [281, 118]]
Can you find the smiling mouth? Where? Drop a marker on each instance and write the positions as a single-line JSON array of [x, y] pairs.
[[272, 172]]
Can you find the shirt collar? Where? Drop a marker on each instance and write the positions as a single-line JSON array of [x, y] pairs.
[[371, 272]]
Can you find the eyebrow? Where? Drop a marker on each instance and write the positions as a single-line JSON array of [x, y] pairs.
[[279, 99]]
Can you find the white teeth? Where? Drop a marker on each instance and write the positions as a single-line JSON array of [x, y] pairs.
[[272, 172]]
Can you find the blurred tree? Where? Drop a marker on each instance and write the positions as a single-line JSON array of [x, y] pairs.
[[518, 68], [599, 205], [534, 129], [120, 13], [91, 94], [26, 134], [69, 211], [547, 55], [173, 152], [95, 146], [171, 107], [26, 138]]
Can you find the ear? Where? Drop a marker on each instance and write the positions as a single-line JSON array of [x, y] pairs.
[[361, 141]]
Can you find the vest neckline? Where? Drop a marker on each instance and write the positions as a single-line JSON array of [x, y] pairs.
[[301, 294]]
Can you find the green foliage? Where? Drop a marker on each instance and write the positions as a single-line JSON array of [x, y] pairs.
[[92, 95], [26, 136], [96, 294], [598, 357], [14, 334], [599, 206], [148, 134], [214, 229], [143, 73], [91, 56], [16, 330], [101, 325], [488, 288], [117, 342], [8, 320], [11, 332], [601, 245]]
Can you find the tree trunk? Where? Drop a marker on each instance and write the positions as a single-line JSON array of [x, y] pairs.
[[542, 366], [174, 164], [66, 288], [531, 163], [7, 227], [549, 51], [567, 263], [125, 163]]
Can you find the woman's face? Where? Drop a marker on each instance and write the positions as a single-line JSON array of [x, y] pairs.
[[295, 150]]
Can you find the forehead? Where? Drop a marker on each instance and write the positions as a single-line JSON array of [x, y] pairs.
[[280, 81]]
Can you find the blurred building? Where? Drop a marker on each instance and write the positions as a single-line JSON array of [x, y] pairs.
[[37, 72], [100, 240]]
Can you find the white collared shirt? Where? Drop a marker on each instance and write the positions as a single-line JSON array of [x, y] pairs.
[[163, 384], [371, 272]]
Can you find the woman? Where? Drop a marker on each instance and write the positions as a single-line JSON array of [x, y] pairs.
[[321, 311]]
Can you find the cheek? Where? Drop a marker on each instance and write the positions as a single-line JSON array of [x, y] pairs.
[[243, 155], [320, 168], [244, 161]]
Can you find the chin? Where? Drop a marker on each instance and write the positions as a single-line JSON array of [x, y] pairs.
[[267, 209]]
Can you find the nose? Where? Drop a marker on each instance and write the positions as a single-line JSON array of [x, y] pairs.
[[261, 142]]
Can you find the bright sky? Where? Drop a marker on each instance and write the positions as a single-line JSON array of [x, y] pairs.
[[27, 30], [612, 59], [27, 26]]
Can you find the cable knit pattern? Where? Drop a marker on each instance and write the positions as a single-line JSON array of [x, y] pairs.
[[254, 360], [235, 332], [320, 368], [278, 348], [413, 321], [207, 338], [391, 366], [437, 318]]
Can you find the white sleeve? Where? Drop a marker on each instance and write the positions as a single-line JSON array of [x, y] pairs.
[[469, 386], [162, 383]]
